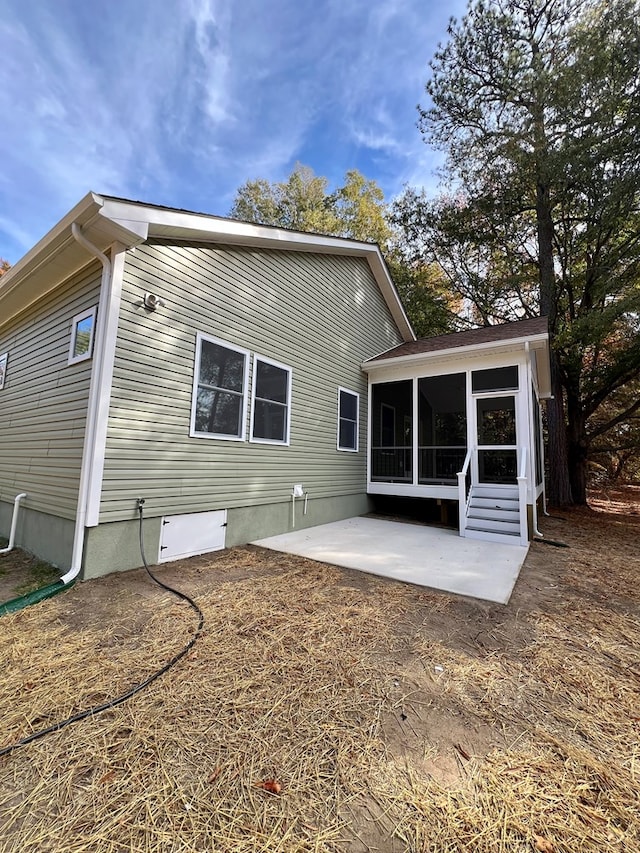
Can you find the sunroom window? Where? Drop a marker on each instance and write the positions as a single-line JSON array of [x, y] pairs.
[[348, 420], [271, 402], [392, 432], [220, 390]]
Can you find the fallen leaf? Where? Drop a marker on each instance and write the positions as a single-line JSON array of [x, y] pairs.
[[543, 845], [270, 785], [107, 777], [214, 775]]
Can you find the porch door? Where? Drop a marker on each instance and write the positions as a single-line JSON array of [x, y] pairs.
[[497, 441]]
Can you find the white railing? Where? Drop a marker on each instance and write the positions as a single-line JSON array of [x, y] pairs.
[[463, 498], [522, 497]]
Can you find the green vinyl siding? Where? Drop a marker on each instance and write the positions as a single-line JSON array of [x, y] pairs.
[[320, 315], [43, 404]]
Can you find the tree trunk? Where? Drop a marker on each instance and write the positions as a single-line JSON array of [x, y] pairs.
[[559, 486], [559, 491], [578, 448]]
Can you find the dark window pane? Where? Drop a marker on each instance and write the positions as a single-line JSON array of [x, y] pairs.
[[497, 420], [270, 421], [348, 406], [495, 379], [347, 434], [392, 432], [442, 411], [271, 382], [221, 367], [497, 466], [218, 412]]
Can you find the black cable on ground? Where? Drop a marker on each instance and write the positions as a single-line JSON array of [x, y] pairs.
[[112, 703], [553, 542]]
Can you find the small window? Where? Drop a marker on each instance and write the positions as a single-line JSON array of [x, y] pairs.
[[270, 410], [4, 358], [495, 379], [348, 420], [82, 328], [219, 390]]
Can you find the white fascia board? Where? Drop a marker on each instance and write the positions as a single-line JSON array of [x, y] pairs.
[[165, 222], [542, 341]]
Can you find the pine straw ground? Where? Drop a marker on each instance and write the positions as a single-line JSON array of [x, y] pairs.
[[392, 718]]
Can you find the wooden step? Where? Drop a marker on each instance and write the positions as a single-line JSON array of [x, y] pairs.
[[504, 513], [495, 491], [495, 503], [492, 536], [499, 526]]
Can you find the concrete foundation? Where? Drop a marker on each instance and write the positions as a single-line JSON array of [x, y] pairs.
[[46, 536], [114, 546]]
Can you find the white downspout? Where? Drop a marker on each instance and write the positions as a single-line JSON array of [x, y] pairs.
[[92, 405], [14, 523]]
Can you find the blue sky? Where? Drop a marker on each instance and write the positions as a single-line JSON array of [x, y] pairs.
[[178, 102]]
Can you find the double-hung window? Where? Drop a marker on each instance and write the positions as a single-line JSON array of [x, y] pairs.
[[348, 420], [219, 390], [271, 404]]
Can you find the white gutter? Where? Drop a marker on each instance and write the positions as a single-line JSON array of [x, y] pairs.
[[14, 523], [92, 406]]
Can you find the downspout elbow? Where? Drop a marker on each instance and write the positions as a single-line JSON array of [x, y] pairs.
[[88, 245], [14, 523]]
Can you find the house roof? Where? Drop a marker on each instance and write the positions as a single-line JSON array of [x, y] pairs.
[[108, 221]]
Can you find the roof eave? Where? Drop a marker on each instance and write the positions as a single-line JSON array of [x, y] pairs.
[[106, 220], [58, 255]]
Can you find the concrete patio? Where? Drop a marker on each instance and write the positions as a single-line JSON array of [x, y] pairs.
[[414, 553]]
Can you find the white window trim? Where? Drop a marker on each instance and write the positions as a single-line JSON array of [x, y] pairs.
[[193, 433], [357, 396], [85, 356], [4, 361], [286, 442]]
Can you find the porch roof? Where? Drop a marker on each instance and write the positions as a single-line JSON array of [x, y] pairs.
[[533, 329]]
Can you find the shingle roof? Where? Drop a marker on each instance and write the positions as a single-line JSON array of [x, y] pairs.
[[484, 335]]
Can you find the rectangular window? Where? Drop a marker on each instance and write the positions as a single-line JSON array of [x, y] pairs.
[[495, 379], [392, 432], [442, 427], [270, 409], [82, 328], [348, 420], [4, 358], [220, 384]]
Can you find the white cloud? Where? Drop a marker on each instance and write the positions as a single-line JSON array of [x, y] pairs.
[[181, 103]]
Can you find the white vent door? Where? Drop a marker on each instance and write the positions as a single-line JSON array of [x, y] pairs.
[[191, 534]]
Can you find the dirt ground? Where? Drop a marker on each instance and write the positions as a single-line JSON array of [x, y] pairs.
[[21, 573], [324, 709]]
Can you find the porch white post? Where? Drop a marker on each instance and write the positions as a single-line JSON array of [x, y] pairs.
[[414, 431], [369, 431]]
